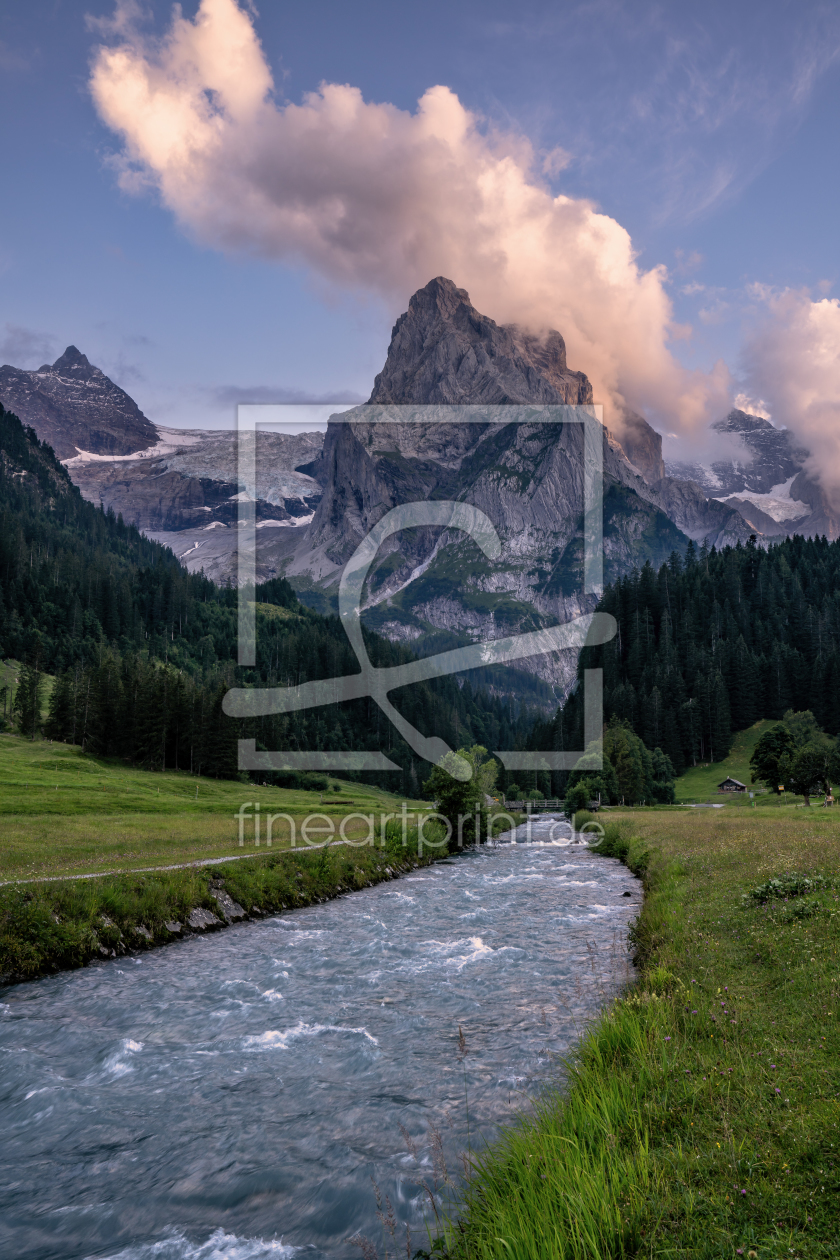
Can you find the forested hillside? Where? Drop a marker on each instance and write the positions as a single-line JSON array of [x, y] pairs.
[[144, 651], [709, 644]]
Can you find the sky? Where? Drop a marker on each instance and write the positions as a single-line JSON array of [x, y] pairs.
[[234, 204]]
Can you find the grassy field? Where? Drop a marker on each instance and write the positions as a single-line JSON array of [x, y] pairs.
[[700, 782], [65, 813], [702, 1111]]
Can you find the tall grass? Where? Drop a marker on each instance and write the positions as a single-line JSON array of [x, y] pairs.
[[53, 926], [699, 1116]]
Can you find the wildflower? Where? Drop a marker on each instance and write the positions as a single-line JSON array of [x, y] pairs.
[[778, 1091], [694, 1012], [667, 1038]]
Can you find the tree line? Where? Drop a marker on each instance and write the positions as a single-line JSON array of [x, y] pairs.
[[712, 642], [142, 651]]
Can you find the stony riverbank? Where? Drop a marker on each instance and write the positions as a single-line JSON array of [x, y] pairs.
[[53, 926], [50, 926]]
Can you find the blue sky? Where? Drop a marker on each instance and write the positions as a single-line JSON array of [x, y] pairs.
[[709, 132]]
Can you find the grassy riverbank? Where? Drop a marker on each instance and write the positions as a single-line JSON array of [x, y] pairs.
[[701, 1117], [63, 812], [52, 926]]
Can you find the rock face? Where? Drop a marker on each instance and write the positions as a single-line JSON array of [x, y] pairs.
[[188, 480], [161, 480], [770, 458], [75, 407], [435, 588], [444, 351], [643, 446]]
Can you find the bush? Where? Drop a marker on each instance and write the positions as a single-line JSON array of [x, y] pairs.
[[577, 798], [780, 887]]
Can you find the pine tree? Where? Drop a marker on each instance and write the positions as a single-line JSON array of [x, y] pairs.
[[28, 700]]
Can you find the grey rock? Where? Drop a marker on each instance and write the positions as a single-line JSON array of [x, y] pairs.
[[189, 481], [770, 457], [444, 351], [144, 932], [177, 480], [771, 464], [173, 926], [74, 406], [231, 910], [199, 920], [526, 478]]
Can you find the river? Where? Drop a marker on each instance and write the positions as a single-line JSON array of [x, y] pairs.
[[236, 1096]]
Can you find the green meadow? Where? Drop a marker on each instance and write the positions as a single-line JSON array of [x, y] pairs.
[[65, 813], [700, 1115], [700, 783]]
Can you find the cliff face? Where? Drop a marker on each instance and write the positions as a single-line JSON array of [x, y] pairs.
[[765, 481], [642, 445], [75, 407], [444, 351], [188, 480], [435, 587]]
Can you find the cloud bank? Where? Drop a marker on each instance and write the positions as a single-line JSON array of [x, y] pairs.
[[370, 196], [793, 359]]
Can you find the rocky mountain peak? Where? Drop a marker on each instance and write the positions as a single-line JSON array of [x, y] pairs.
[[445, 351], [742, 422], [75, 407], [71, 361]]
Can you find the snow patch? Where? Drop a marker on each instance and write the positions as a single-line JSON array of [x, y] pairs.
[[777, 501]]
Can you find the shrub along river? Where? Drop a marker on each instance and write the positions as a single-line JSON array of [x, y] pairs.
[[236, 1096]]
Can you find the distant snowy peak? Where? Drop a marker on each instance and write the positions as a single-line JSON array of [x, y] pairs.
[[770, 461]]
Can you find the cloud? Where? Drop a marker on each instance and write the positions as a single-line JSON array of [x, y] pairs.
[[555, 161], [23, 347], [370, 196], [752, 406], [223, 397], [792, 360]]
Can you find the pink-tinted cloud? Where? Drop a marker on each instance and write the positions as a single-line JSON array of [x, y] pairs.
[[793, 362], [372, 196]]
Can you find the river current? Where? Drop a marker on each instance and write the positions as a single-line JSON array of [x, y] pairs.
[[236, 1096]]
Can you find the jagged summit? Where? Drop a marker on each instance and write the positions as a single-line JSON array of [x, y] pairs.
[[445, 351], [75, 407], [71, 360]]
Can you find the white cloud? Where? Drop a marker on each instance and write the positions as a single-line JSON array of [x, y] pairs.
[[752, 406], [372, 196], [793, 361]]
